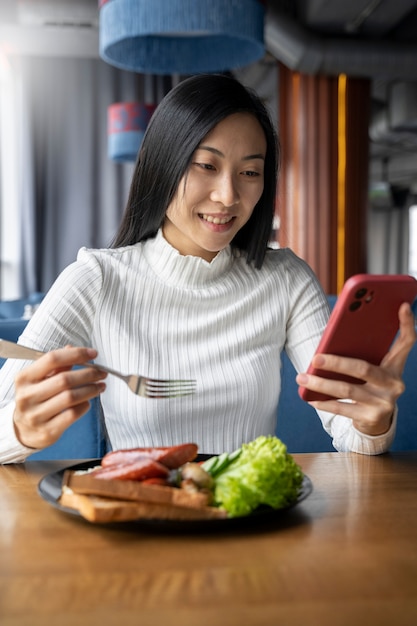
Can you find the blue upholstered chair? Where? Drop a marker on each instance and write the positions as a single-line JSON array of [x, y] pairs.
[[406, 435], [11, 329], [85, 438], [13, 309], [298, 424]]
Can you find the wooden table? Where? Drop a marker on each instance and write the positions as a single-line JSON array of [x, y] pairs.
[[346, 555]]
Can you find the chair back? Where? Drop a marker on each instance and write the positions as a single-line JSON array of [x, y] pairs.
[[11, 329], [85, 439], [13, 309], [406, 434], [298, 424]]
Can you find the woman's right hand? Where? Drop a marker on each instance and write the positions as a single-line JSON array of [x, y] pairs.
[[50, 395]]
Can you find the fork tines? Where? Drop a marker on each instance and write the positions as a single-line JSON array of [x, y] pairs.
[[169, 388]]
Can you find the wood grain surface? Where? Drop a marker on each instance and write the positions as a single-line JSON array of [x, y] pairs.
[[347, 554]]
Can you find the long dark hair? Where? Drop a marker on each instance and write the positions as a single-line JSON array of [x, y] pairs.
[[181, 121]]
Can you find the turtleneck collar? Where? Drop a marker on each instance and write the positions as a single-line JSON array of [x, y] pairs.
[[184, 271]]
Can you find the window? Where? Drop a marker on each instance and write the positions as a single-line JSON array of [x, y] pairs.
[[9, 205]]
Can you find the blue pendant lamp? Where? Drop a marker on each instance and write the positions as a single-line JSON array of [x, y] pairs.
[[181, 36], [126, 125]]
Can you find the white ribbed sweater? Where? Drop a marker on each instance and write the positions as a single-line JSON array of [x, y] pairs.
[[149, 310]]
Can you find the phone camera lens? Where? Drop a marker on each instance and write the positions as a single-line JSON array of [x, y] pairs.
[[355, 305], [361, 292]]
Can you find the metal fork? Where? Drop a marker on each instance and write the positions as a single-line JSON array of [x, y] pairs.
[[140, 385]]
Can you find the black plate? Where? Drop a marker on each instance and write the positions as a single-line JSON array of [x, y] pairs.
[[49, 488]]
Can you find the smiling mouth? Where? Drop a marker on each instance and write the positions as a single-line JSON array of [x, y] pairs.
[[216, 220]]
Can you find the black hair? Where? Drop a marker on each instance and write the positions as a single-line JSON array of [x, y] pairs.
[[181, 121]]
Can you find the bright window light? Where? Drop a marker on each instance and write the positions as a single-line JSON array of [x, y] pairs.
[[9, 203]]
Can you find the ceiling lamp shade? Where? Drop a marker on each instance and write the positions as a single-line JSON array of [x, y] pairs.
[[181, 36], [126, 125]]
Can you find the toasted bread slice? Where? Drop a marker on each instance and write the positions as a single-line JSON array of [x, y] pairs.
[[104, 510], [85, 483]]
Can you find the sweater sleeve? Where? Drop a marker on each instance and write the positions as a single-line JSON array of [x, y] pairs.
[[65, 316], [308, 315]]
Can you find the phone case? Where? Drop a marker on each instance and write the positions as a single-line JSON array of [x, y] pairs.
[[364, 322]]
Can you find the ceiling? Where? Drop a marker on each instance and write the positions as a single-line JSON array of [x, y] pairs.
[[373, 38], [368, 38]]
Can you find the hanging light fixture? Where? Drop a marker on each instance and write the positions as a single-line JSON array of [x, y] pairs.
[[181, 36], [126, 125]]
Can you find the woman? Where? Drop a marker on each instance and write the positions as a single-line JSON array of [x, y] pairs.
[[190, 290]]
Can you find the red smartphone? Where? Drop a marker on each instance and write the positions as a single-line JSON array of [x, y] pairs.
[[363, 323]]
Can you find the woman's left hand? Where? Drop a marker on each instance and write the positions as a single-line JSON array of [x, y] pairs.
[[372, 403]]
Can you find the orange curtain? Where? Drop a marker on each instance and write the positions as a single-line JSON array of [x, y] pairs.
[[323, 127]]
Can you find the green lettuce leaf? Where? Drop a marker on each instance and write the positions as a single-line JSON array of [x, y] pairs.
[[263, 473]]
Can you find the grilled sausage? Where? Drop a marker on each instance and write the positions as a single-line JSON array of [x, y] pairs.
[[140, 468], [170, 456]]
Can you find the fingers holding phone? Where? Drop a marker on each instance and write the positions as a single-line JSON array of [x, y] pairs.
[[357, 369], [362, 326], [397, 355], [367, 397]]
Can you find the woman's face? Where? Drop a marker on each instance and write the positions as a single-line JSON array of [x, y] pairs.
[[221, 187]]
